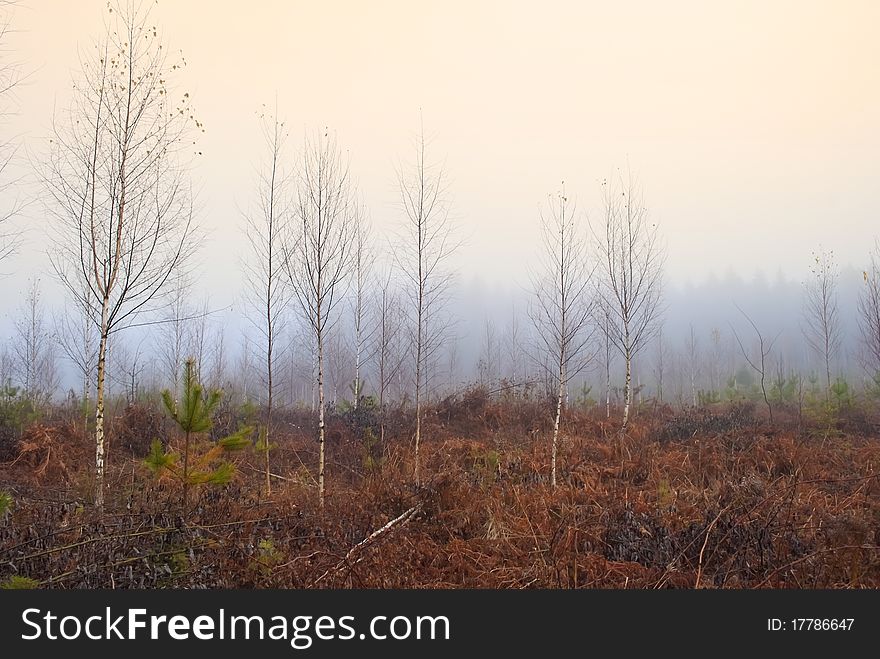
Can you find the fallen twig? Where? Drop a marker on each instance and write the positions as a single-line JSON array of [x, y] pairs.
[[398, 521]]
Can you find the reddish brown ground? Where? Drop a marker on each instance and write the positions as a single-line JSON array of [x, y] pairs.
[[714, 499]]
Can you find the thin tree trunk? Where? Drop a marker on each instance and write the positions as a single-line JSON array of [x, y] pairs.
[[320, 418], [827, 371], [99, 409], [419, 374], [268, 425], [766, 399], [269, 391], [85, 403], [270, 344], [607, 391], [268, 480], [357, 372], [382, 418], [357, 337], [418, 427], [627, 391], [270, 336], [186, 472], [607, 370], [553, 449], [382, 387]]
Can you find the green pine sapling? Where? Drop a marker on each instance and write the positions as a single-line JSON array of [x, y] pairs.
[[194, 416]]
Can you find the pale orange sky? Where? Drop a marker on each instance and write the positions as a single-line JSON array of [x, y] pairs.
[[753, 126]]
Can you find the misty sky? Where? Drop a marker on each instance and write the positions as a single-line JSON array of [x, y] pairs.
[[751, 125]]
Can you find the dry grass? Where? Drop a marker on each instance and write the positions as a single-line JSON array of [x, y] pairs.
[[720, 503]]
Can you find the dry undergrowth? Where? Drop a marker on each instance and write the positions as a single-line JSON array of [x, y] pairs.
[[722, 502]]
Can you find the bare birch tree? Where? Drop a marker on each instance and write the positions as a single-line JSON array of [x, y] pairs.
[[122, 208], [490, 355], [439, 332], [603, 322], [269, 295], [338, 367], [692, 348], [199, 335], [174, 337], [7, 370], [10, 77], [217, 374], [869, 315], [757, 363], [426, 245], [715, 363], [561, 306], [128, 366], [452, 363], [631, 260], [362, 257], [244, 366], [389, 352], [513, 349], [34, 349], [661, 360], [821, 317], [318, 253]]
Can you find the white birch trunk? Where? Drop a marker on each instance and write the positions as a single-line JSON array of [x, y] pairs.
[[554, 446], [627, 390], [99, 410], [320, 421]]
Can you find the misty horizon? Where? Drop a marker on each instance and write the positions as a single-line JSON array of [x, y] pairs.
[[744, 183]]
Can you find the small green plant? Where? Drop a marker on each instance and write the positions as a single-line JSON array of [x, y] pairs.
[[16, 411], [268, 556], [665, 493], [171, 564], [823, 411], [487, 466], [584, 399], [179, 562], [6, 504], [248, 410], [841, 394], [18, 582], [366, 404], [194, 416], [708, 397], [813, 379], [731, 389], [372, 451]]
